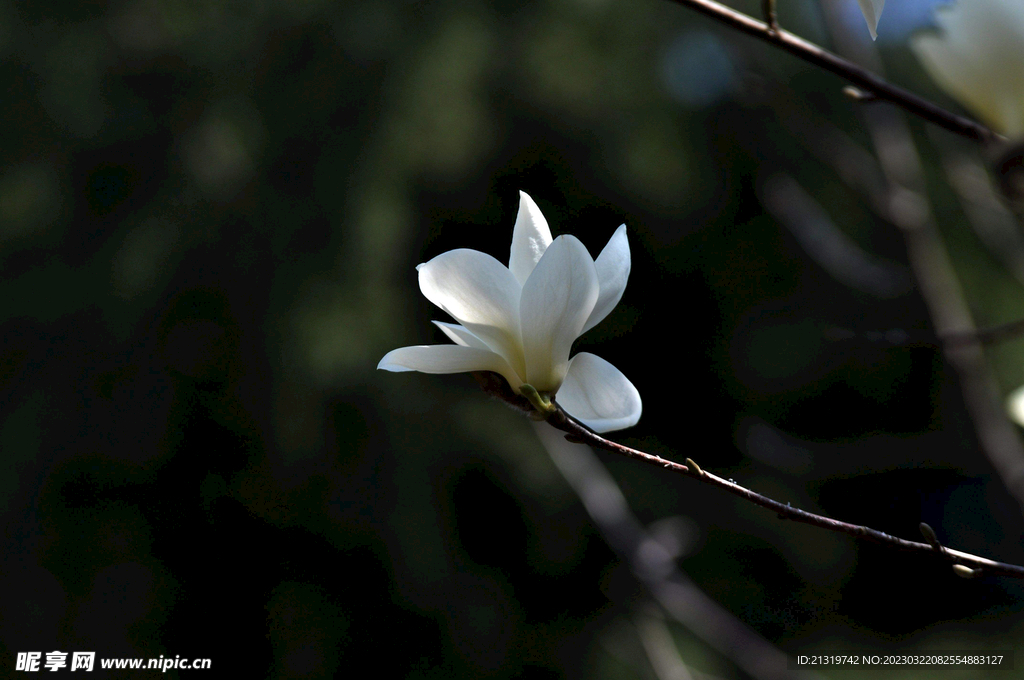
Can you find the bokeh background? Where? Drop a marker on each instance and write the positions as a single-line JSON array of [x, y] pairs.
[[210, 215]]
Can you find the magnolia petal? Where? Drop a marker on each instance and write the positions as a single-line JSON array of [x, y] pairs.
[[1015, 406], [447, 359], [612, 271], [872, 10], [481, 294], [530, 238], [557, 300], [460, 335], [976, 57], [597, 394]]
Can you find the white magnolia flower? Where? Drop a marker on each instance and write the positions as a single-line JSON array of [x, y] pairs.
[[977, 56], [872, 10], [521, 320]]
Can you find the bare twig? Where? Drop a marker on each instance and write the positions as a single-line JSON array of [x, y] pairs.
[[579, 433], [863, 79], [655, 566]]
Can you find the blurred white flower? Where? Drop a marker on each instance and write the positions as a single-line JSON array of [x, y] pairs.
[[520, 321], [872, 10], [977, 56], [1015, 406]]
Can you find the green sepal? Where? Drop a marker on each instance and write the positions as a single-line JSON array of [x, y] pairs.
[[541, 402]]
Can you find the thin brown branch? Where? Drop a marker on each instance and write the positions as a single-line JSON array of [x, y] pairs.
[[654, 565], [580, 433], [863, 79]]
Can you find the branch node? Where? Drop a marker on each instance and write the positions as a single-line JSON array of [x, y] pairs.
[[770, 16], [966, 572], [857, 94], [929, 535]]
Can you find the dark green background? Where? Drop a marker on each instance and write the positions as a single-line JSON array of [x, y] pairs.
[[210, 213]]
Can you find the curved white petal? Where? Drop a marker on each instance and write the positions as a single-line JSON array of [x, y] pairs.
[[976, 57], [1015, 406], [460, 335], [612, 271], [447, 359], [596, 393], [530, 238], [557, 300], [872, 10], [481, 294]]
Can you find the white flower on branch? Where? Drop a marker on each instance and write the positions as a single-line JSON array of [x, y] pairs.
[[520, 321], [977, 56], [872, 10]]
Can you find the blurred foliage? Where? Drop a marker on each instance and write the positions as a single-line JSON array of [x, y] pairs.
[[210, 212]]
